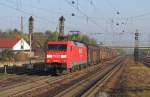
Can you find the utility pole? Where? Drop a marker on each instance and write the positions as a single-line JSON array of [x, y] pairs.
[[136, 47], [21, 27], [148, 48], [30, 33], [61, 28]]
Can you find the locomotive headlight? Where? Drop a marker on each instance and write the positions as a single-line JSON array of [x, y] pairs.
[[63, 56], [49, 56]]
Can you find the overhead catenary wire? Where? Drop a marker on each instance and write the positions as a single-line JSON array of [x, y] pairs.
[[28, 13], [92, 4], [22, 11], [140, 15], [111, 5], [97, 11], [88, 18], [85, 15], [39, 8], [42, 9]]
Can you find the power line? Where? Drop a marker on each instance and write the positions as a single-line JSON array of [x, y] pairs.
[[40, 8], [77, 8], [92, 3], [43, 9], [140, 15], [22, 11], [125, 25], [84, 14], [28, 13], [111, 5]]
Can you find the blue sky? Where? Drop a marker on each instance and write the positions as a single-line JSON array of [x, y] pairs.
[[91, 16]]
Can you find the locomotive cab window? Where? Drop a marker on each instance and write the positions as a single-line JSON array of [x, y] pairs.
[[59, 47]]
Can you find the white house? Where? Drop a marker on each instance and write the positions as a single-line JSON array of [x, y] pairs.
[[14, 44], [21, 45]]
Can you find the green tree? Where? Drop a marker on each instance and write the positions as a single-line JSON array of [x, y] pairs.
[[83, 38], [52, 36], [7, 55]]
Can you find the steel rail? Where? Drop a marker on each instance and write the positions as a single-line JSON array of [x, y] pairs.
[[22, 88], [95, 89], [80, 88]]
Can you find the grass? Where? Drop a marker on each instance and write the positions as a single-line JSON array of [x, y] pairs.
[[138, 76], [139, 94], [2, 74]]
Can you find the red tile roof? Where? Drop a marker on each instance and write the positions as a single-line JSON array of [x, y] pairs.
[[8, 42]]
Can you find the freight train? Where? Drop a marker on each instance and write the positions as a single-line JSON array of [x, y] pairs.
[[70, 56], [73, 55]]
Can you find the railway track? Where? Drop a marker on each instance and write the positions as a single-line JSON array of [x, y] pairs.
[[147, 64], [146, 61], [96, 90], [69, 86], [20, 88], [16, 81], [47, 84], [89, 86], [13, 78], [55, 85]]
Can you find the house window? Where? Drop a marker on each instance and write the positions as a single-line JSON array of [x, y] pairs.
[[22, 45]]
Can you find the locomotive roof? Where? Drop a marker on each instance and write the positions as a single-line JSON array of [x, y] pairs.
[[79, 43], [58, 42], [76, 42]]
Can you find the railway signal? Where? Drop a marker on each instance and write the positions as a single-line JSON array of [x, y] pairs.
[[31, 20], [136, 49], [61, 28]]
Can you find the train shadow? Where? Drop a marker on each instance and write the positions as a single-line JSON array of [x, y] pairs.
[[22, 71]]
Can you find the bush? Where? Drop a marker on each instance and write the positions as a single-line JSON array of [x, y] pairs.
[[21, 56], [7, 55]]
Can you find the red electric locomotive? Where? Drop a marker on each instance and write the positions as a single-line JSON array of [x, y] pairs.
[[71, 55], [65, 55]]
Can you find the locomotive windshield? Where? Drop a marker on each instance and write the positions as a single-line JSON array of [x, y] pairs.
[[59, 47]]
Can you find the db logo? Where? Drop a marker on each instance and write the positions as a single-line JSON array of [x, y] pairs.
[[56, 56]]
